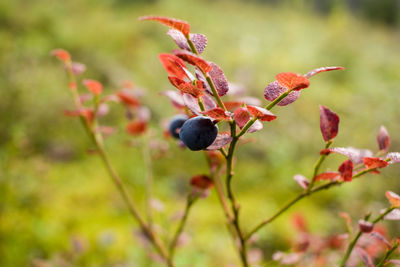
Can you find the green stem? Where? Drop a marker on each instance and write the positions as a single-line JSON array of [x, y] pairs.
[[317, 166], [387, 255], [358, 235], [189, 202]]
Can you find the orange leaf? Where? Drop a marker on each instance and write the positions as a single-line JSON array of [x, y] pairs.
[[127, 99], [393, 198], [136, 127], [173, 65], [193, 59], [261, 113], [373, 163], [94, 86], [201, 182], [177, 24], [327, 176], [61, 54], [292, 81], [216, 114], [88, 114], [241, 117], [186, 87]]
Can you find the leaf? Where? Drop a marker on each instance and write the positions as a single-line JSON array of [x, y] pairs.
[[127, 99], [365, 226], [199, 40], [393, 198], [136, 127], [356, 155], [346, 170], [173, 65], [257, 125], [193, 59], [319, 70], [176, 24], [327, 176], [394, 157], [187, 87], [221, 141], [201, 182], [175, 97], [61, 54], [365, 257], [301, 180], [87, 113], [383, 139], [78, 68], [373, 163], [208, 101], [230, 105], [329, 123], [241, 117], [261, 113], [274, 90], [219, 79], [217, 114], [191, 103], [292, 81], [94, 86], [381, 238], [394, 215]]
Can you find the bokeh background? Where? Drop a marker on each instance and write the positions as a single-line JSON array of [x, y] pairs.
[[57, 205]]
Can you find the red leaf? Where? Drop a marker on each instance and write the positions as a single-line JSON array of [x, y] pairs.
[[219, 79], [216, 114], [274, 90], [261, 113], [194, 60], [221, 141], [127, 99], [173, 65], [292, 81], [329, 123], [94, 86], [373, 163], [187, 87], [241, 117], [319, 70], [356, 155], [393, 198], [175, 97], [136, 127], [199, 40], [233, 104], [201, 182], [61, 54], [383, 139], [177, 24], [346, 170], [327, 176], [365, 257], [87, 113], [301, 180]]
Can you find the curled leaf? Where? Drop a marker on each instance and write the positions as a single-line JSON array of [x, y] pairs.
[[319, 70], [261, 113], [393, 198], [177, 24], [187, 87], [292, 81], [274, 90], [301, 180], [241, 117], [217, 114], [194, 59], [373, 163], [383, 139], [346, 170], [329, 123], [94, 86], [173, 65], [221, 141]]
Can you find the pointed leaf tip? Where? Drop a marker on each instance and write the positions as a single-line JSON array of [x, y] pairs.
[[323, 69], [177, 24], [373, 163], [329, 123], [292, 81], [173, 65], [193, 59]]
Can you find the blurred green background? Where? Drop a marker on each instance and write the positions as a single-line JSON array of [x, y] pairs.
[[57, 204]]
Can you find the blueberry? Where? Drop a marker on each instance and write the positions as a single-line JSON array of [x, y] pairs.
[[198, 133], [176, 123]]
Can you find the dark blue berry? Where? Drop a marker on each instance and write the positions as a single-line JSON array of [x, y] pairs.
[[176, 123], [198, 133]]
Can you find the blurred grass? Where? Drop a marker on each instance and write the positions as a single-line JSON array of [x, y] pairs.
[[64, 208]]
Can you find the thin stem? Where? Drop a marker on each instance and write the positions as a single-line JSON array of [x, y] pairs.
[[189, 202], [297, 199], [317, 166], [148, 179], [358, 235], [387, 255]]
